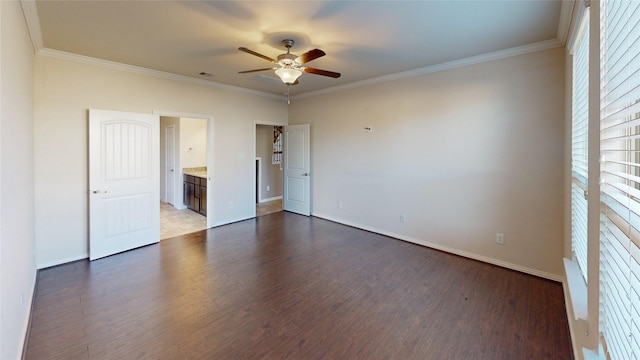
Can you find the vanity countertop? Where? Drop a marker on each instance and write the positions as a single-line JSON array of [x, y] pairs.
[[200, 172]]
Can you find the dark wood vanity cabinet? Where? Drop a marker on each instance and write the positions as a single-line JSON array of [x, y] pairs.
[[203, 197], [195, 193]]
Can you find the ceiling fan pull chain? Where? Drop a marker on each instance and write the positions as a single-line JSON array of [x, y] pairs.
[[288, 92]]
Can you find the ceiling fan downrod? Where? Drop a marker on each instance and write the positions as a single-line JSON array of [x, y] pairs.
[[288, 43]]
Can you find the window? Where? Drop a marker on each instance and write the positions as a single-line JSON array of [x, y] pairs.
[[620, 166], [579, 145]]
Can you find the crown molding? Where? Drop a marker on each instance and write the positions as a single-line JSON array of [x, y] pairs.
[[63, 55], [502, 54], [33, 24]]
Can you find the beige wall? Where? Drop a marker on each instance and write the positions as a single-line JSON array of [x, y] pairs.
[[66, 89], [271, 173], [193, 142], [17, 262], [463, 154]]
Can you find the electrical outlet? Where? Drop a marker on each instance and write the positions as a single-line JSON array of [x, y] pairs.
[[268, 188], [339, 204], [500, 238], [403, 218]]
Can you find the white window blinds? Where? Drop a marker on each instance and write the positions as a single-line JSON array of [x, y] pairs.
[[620, 176], [579, 145]]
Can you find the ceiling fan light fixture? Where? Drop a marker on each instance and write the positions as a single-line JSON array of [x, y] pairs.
[[288, 75]]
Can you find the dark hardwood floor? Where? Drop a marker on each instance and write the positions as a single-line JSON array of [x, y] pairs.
[[284, 286]]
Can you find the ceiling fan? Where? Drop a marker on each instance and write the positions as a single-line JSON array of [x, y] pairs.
[[289, 66]]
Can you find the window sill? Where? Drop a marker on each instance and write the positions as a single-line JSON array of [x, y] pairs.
[[577, 289]]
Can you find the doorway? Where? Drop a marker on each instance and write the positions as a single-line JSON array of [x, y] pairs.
[[185, 145], [269, 171]]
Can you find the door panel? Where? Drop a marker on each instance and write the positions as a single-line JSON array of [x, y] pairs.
[[296, 189], [124, 181], [297, 169], [127, 214]]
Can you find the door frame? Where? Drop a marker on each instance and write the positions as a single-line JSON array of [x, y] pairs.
[[255, 139], [171, 201], [210, 156], [258, 179]]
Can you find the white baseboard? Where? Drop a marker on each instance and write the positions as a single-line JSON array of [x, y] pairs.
[[178, 206], [230, 221], [62, 261], [447, 249], [270, 199]]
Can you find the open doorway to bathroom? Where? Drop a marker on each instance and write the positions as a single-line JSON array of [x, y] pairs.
[[183, 177], [269, 172]]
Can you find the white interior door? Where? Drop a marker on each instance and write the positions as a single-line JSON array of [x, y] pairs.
[[124, 181], [170, 164], [297, 169]]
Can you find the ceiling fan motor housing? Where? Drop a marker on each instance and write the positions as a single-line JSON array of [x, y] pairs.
[[287, 59]]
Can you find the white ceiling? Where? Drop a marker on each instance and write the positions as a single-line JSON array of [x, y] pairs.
[[363, 39]]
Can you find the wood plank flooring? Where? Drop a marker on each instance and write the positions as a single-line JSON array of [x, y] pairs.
[[284, 286]]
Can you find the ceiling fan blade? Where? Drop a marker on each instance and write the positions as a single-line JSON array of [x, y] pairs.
[[321, 72], [310, 55], [256, 70], [257, 54]]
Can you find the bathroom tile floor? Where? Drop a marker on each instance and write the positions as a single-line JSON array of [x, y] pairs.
[[174, 222]]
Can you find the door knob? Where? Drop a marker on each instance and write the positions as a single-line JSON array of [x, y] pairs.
[[99, 191], [306, 174], [171, 170]]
